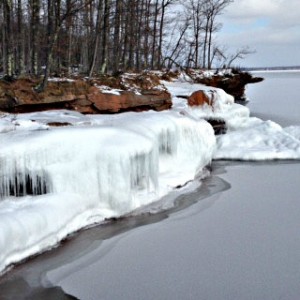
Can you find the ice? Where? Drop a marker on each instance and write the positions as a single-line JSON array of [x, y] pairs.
[[293, 131], [56, 181], [6, 125], [224, 107], [247, 138], [265, 141]]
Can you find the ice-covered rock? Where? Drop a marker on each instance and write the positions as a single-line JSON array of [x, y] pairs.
[[56, 181]]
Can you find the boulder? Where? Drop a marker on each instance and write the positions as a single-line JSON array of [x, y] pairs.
[[219, 125], [233, 82], [201, 97]]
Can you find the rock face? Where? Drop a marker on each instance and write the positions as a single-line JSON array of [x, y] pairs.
[[218, 125], [208, 97], [233, 83], [126, 100], [83, 96]]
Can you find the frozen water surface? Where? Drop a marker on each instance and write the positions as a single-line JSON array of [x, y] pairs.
[[277, 98], [241, 244]]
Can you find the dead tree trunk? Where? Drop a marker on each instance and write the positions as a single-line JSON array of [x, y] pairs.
[[8, 52], [105, 36]]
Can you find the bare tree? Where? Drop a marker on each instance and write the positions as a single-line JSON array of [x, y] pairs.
[[240, 53], [195, 8], [214, 8], [7, 34], [117, 34], [53, 33], [20, 40], [100, 36]]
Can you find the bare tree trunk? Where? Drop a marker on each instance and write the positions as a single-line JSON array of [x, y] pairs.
[[8, 53], [205, 43], [138, 44], [85, 65], [146, 33], [161, 27], [212, 9], [132, 35], [97, 38], [182, 33], [117, 27], [51, 39], [58, 44], [35, 20], [210, 32], [154, 35], [105, 36], [69, 27], [20, 48], [3, 48]]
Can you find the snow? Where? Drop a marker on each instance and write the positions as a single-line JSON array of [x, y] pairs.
[[60, 79], [293, 131], [106, 166], [107, 90], [264, 141], [91, 173], [248, 138], [6, 125]]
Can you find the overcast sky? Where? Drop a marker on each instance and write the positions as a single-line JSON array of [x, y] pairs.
[[271, 27]]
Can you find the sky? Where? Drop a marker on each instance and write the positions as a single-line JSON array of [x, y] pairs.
[[271, 28]]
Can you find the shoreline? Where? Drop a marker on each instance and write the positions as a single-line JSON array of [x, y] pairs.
[[208, 247], [81, 250], [75, 246]]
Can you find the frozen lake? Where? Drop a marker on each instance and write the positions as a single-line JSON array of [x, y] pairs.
[[238, 237], [277, 98]]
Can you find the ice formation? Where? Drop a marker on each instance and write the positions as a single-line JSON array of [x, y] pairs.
[[56, 181]]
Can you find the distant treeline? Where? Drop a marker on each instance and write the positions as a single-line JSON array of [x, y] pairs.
[[272, 68]]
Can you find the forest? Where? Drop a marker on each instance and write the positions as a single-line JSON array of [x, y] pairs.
[[91, 37]]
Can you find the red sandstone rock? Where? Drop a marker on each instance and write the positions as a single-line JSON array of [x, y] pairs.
[[201, 97], [130, 101], [232, 83], [78, 95]]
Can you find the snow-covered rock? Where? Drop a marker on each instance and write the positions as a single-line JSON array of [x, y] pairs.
[[71, 177]]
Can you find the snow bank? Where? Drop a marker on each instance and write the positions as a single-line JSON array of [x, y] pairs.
[[90, 173], [264, 141], [247, 138], [6, 125], [224, 108], [293, 131]]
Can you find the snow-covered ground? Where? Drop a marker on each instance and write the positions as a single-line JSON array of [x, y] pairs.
[[109, 165]]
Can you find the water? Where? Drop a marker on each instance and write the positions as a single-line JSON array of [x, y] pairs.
[[240, 244], [239, 240], [276, 98]]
